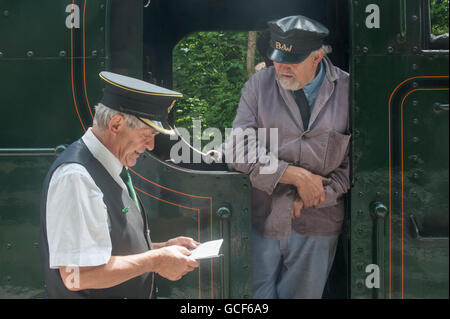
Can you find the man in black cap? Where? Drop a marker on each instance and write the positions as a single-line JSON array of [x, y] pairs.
[[297, 209], [94, 237]]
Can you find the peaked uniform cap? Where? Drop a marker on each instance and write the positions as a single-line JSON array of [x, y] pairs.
[[293, 38], [148, 102]]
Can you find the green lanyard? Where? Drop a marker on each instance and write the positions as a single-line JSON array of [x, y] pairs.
[[125, 176]]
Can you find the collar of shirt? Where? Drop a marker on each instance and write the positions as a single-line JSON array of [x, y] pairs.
[[104, 156], [312, 89]]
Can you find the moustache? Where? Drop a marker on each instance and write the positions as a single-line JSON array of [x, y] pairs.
[[287, 74]]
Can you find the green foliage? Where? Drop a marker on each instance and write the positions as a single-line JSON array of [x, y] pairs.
[[439, 16], [209, 68]]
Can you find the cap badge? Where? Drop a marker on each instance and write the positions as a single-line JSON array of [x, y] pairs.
[[283, 47]]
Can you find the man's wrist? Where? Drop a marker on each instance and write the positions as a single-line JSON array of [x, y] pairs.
[[294, 175], [153, 258], [159, 245]]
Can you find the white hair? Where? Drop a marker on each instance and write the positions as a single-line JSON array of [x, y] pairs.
[[104, 114], [325, 48]]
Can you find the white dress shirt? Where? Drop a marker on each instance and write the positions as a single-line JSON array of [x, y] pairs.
[[77, 220]]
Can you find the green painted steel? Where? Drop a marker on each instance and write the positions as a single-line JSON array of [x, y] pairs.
[[204, 206], [49, 71], [49, 79], [399, 196], [398, 204], [21, 176], [50, 84]]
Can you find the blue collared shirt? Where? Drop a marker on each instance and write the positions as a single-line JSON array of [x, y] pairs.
[[312, 89]]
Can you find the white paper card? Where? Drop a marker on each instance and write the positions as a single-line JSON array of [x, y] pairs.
[[209, 249]]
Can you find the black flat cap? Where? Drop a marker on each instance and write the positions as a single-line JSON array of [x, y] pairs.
[[293, 38], [148, 102]]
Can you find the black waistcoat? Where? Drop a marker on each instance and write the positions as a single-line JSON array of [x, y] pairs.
[[129, 231]]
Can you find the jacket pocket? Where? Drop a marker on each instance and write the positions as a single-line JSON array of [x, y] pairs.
[[336, 150]]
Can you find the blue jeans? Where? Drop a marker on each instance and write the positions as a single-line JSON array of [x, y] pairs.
[[296, 268]]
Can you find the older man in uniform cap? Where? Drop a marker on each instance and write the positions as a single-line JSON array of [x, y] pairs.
[[94, 238], [297, 210]]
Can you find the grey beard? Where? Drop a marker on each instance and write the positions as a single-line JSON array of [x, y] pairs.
[[292, 85]]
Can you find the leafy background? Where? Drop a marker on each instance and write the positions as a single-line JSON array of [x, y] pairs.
[[209, 68], [439, 16]]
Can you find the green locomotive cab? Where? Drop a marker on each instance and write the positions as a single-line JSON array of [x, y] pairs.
[[394, 242]]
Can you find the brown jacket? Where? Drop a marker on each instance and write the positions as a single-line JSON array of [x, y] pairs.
[[323, 150]]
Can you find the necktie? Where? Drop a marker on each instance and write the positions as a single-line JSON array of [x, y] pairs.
[[303, 105], [125, 176]]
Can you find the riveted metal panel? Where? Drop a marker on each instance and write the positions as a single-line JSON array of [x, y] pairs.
[[425, 192], [50, 71], [21, 176], [388, 63], [49, 80], [205, 206]]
